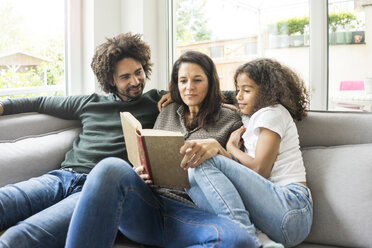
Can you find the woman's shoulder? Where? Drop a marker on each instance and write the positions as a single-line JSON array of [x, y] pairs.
[[227, 111], [170, 108]]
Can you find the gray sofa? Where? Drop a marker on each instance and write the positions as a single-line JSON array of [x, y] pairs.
[[336, 146]]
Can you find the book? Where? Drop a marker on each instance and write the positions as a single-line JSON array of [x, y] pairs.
[[158, 151]]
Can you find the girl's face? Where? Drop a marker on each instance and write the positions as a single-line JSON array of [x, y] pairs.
[[247, 91], [192, 84]]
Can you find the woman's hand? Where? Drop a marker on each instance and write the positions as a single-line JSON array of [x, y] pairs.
[[164, 101], [140, 171], [235, 140], [197, 151]]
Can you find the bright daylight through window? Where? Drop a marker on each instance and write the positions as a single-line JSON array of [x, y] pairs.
[[31, 48], [233, 32]]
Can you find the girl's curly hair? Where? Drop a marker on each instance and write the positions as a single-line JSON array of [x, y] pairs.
[[278, 84], [115, 49]]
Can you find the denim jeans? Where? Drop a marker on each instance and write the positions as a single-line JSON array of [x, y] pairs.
[[37, 212], [115, 197], [234, 191]]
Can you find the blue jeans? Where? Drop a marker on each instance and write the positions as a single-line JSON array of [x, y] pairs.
[[234, 191], [115, 197], [37, 212]]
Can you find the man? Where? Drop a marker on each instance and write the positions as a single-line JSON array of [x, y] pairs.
[[37, 212]]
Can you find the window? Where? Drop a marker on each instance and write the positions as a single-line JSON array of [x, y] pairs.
[[339, 68], [234, 32], [349, 56], [31, 48]]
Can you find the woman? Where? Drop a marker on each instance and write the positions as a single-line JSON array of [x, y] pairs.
[[115, 196]]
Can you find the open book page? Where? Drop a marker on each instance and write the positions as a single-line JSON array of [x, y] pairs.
[[130, 127]]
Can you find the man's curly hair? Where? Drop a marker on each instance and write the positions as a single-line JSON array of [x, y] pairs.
[[278, 84], [115, 49]]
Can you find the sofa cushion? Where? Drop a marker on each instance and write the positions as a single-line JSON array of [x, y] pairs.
[[22, 159], [340, 179]]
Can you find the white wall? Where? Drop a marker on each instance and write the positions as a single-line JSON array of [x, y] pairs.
[[91, 21]]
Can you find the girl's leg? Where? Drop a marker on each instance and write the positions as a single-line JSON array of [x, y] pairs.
[[189, 226], [221, 198], [284, 213]]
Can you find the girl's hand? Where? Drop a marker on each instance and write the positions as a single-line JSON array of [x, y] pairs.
[[197, 151], [235, 140], [140, 171], [164, 101]]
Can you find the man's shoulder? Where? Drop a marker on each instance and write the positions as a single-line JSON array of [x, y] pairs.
[[154, 94]]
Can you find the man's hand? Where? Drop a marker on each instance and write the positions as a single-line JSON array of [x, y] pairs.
[[140, 171], [1, 109], [164, 101]]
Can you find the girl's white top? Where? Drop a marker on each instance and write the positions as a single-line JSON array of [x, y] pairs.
[[288, 166]]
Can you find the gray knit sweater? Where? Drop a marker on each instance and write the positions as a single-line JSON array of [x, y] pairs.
[[172, 118]]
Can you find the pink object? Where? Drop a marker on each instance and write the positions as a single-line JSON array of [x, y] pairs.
[[352, 85]]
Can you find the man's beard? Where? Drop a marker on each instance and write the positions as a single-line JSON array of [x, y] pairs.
[[126, 93]]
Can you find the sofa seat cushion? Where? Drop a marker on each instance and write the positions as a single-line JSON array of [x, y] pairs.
[[340, 179], [34, 155]]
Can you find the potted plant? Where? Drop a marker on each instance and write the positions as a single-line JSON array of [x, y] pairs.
[[340, 25], [278, 34], [296, 29]]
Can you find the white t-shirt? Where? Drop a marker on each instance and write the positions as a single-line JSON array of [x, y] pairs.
[[288, 166]]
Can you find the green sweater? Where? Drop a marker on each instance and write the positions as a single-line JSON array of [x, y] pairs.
[[101, 135]]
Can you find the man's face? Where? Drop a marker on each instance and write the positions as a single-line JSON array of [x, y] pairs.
[[129, 79]]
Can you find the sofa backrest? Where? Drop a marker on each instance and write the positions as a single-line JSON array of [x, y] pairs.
[[337, 152], [30, 124], [321, 128], [32, 144]]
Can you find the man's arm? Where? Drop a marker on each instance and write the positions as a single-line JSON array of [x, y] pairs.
[[63, 107]]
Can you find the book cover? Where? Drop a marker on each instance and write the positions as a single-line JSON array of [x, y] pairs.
[[156, 150]]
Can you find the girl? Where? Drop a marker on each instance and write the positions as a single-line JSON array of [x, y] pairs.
[[266, 188]]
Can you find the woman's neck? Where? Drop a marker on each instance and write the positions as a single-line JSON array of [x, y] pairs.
[[191, 114]]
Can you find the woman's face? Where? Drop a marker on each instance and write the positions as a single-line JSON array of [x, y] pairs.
[[192, 84], [247, 91]]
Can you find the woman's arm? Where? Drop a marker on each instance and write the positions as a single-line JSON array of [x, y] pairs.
[[267, 149], [197, 151]]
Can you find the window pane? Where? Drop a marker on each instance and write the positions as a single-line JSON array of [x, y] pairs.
[[234, 32], [350, 56], [31, 48]]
